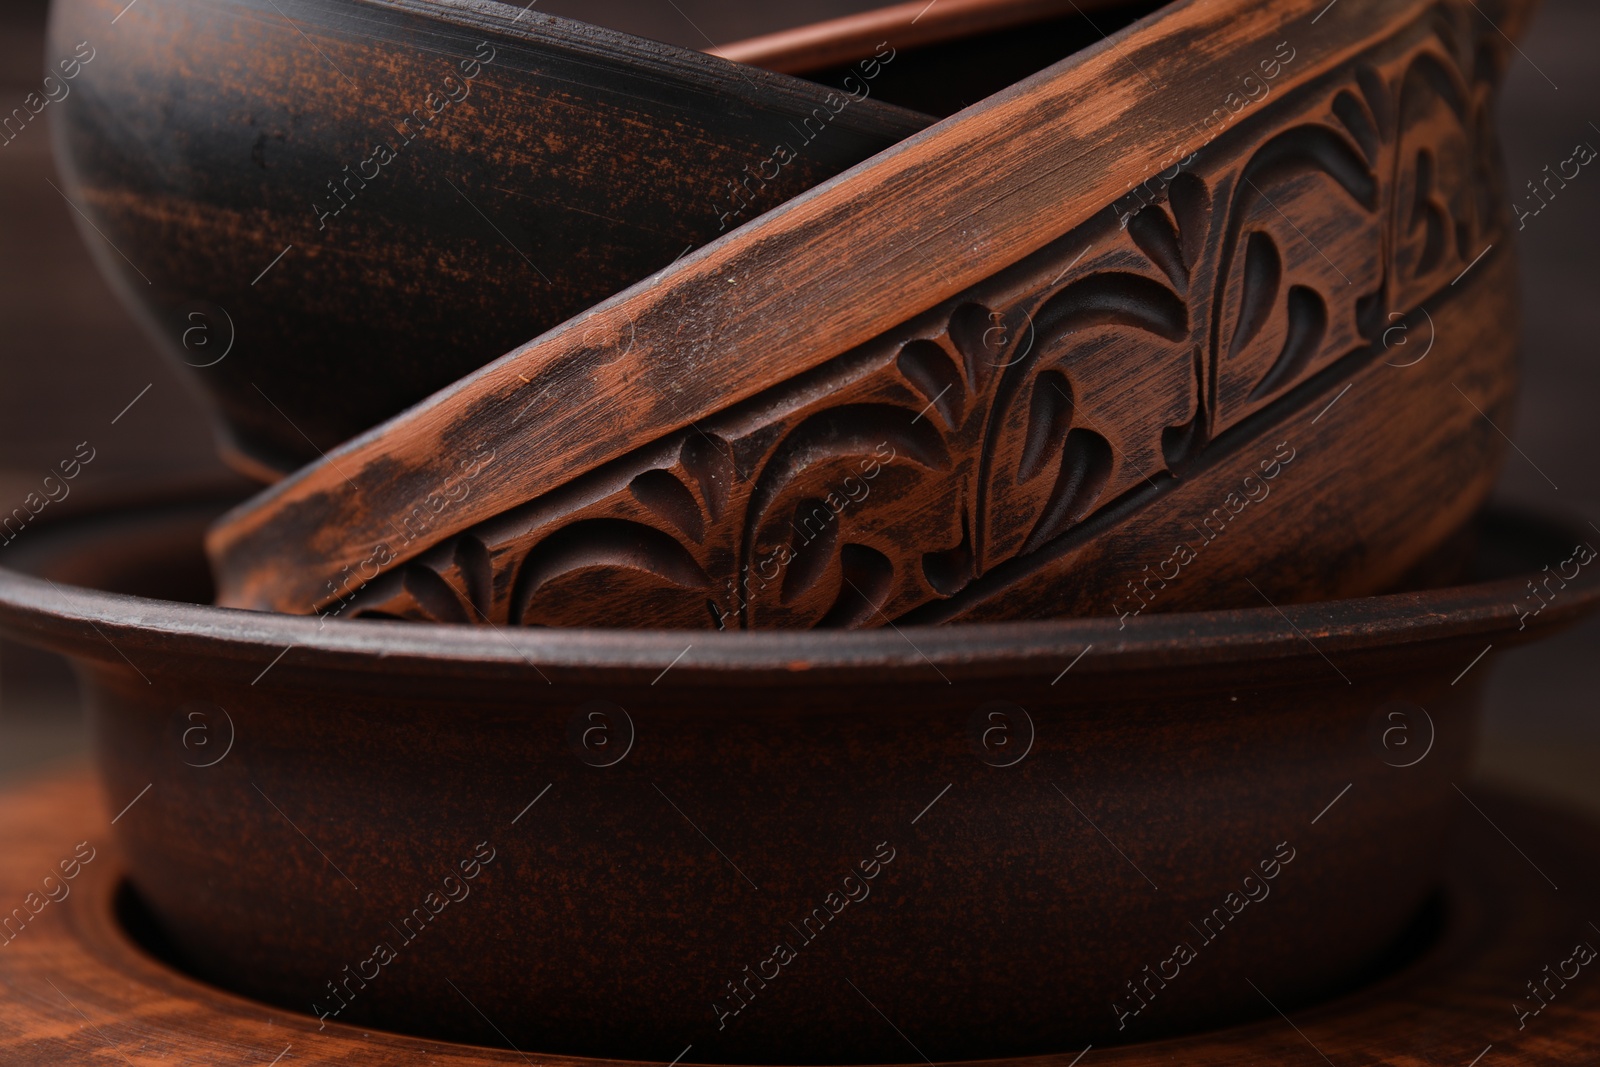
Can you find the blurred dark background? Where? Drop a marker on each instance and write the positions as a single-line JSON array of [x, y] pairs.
[[71, 359]]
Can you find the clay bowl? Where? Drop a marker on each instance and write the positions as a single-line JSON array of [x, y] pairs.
[[1263, 372], [329, 210], [984, 833]]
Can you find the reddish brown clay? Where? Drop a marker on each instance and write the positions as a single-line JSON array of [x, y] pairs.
[[1498, 925], [984, 833], [1315, 306]]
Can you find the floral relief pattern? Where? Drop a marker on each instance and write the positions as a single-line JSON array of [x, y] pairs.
[[992, 426]]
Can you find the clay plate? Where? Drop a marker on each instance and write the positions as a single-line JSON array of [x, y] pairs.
[[983, 833]]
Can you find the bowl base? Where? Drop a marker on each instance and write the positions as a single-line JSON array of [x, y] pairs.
[[83, 983]]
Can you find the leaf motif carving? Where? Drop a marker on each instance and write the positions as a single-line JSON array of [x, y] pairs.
[[1014, 508], [927, 366], [1190, 201], [1353, 112], [1308, 325], [1092, 373], [1303, 149], [865, 578], [1085, 469], [709, 461], [1437, 219], [1049, 418], [1182, 443], [612, 548], [1263, 275], [948, 571], [1157, 238], [671, 500], [815, 465], [477, 575], [1114, 298], [989, 340], [1379, 99], [816, 531], [435, 596], [1271, 325]]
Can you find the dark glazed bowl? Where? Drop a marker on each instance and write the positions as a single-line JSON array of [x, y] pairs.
[[332, 209], [757, 848]]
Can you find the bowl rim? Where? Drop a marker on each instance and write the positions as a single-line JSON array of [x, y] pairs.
[[646, 56], [93, 624]]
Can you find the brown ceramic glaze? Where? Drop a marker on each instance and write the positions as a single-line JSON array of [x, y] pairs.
[[983, 833], [330, 210], [1497, 923], [1036, 392]]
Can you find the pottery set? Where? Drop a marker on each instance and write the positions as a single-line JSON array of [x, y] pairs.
[[813, 551]]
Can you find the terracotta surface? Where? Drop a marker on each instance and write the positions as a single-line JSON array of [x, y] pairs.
[[1011, 451], [310, 784]]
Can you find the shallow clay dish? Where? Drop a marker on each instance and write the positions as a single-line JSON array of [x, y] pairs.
[[982, 833], [330, 210], [1496, 915]]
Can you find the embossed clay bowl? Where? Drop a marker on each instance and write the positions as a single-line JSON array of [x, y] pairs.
[[1039, 393], [949, 842], [331, 209]]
